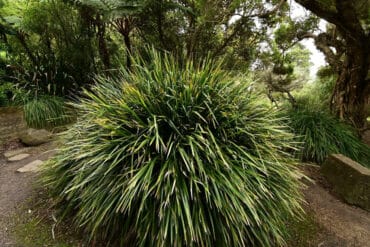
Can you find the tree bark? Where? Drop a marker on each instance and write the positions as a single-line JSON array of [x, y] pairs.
[[124, 27], [127, 40], [351, 93], [22, 40], [103, 50]]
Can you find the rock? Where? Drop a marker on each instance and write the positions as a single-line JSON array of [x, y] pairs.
[[31, 167], [350, 180], [18, 157], [34, 137], [12, 153]]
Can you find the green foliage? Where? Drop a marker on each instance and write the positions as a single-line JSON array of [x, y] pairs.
[[325, 72], [172, 155], [3, 96], [284, 65], [319, 131], [60, 44], [322, 134], [49, 46], [46, 112], [112, 9], [10, 94], [316, 95]]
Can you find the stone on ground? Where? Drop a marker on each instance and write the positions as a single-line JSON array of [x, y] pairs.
[[31, 167], [34, 137], [349, 179], [18, 157], [12, 153]]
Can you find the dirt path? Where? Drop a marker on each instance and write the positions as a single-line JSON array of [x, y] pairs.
[[15, 188], [348, 226]]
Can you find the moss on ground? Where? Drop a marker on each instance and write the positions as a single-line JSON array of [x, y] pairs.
[[304, 232], [33, 232], [34, 226], [34, 229]]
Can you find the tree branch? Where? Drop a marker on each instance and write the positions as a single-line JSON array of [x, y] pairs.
[[323, 42], [325, 12], [342, 14], [350, 23], [240, 23], [272, 11]]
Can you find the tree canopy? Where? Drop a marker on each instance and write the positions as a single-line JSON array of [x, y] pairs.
[[57, 46]]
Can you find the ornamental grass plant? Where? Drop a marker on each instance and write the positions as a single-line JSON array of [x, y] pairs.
[[322, 134], [46, 112], [176, 154]]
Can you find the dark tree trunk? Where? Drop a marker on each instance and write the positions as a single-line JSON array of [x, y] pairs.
[[22, 40], [351, 92], [103, 50], [126, 38], [124, 27]]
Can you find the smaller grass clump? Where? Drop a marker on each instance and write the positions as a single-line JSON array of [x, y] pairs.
[[46, 112], [322, 134], [177, 154]]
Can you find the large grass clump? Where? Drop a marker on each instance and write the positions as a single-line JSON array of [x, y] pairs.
[[46, 112], [322, 134], [176, 155]]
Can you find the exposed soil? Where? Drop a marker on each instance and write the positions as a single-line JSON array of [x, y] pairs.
[[15, 187], [340, 225], [346, 225]]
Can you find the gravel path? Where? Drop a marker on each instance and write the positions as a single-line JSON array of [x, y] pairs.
[[348, 226], [15, 188]]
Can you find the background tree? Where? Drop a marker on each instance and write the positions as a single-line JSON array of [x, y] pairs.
[[350, 37], [120, 15], [230, 29], [49, 47], [283, 64]]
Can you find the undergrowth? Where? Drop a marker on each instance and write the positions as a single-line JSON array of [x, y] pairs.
[[322, 134]]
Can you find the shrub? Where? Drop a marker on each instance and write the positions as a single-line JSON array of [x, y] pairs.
[[317, 94], [9, 94], [322, 134], [46, 112], [176, 156], [3, 99]]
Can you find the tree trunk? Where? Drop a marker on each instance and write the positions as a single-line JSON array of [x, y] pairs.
[[127, 40], [24, 44], [123, 26], [351, 92], [103, 50]]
